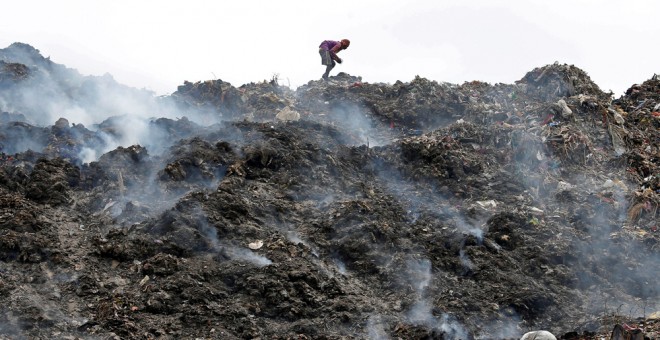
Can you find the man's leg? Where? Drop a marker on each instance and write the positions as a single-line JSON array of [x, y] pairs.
[[328, 69]]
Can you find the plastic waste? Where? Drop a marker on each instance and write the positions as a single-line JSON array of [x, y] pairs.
[[256, 244], [538, 335]]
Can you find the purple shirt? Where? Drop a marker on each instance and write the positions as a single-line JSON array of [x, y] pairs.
[[329, 44], [333, 47]]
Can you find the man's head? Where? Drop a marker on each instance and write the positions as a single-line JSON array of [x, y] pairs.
[[345, 43]]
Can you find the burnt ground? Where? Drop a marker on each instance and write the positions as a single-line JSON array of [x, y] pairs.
[[340, 210]]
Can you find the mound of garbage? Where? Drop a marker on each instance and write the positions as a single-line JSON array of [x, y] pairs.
[[342, 209]]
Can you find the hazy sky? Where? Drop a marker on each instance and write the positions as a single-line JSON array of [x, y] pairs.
[[159, 44]]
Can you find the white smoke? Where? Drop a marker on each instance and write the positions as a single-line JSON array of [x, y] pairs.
[[375, 329], [421, 312], [244, 254], [87, 155], [465, 260], [356, 124], [232, 251], [341, 267], [420, 278]]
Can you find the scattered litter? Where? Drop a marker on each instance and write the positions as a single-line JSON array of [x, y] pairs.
[[256, 244]]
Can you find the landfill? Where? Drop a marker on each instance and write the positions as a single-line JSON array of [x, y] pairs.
[[343, 209]]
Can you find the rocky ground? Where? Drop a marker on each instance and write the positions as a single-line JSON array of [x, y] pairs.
[[339, 210]]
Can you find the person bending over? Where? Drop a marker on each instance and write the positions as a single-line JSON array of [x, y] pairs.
[[328, 51]]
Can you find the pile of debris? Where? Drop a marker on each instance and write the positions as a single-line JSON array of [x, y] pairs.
[[636, 125], [12, 72], [342, 209], [254, 101]]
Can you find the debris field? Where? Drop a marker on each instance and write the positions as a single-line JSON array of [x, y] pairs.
[[342, 209]]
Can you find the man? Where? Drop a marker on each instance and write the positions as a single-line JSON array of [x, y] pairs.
[[328, 51]]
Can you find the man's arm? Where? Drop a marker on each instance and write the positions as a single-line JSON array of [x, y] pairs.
[[333, 53]]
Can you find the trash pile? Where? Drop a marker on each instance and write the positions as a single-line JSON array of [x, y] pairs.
[[254, 101], [339, 210], [11, 72], [637, 126], [28, 80]]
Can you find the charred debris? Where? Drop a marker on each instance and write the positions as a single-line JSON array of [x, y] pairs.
[[339, 210]]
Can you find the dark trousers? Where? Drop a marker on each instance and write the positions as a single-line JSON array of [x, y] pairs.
[[326, 59]]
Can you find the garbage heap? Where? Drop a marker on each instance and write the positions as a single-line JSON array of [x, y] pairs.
[[43, 91], [343, 209], [254, 101], [637, 125]]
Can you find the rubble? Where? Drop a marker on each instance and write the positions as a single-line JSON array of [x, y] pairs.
[[342, 209]]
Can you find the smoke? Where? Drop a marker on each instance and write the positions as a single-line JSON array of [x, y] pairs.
[[88, 102], [9, 325], [294, 237], [118, 115], [425, 199], [417, 274], [140, 194], [87, 155], [20, 137], [43, 311], [325, 202], [616, 270], [468, 228], [619, 271], [125, 130], [341, 266], [501, 329], [375, 328], [421, 313], [202, 115], [624, 278], [216, 245], [357, 126], [244, 254], [465, 260], [208, 231], [420, 278]]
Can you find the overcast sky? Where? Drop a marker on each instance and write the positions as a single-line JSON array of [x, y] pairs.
[[159, 44]]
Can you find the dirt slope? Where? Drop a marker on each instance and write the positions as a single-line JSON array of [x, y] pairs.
[[340, 210]]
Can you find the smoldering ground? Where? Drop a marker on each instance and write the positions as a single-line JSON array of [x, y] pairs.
[[104, 114], [597, 221], [357, 127], [259, 228]]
